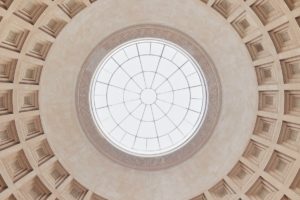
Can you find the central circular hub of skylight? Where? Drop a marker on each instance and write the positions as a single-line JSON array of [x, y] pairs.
[[148, 97]]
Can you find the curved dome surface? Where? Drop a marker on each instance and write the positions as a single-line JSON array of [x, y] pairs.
[[252, 152]]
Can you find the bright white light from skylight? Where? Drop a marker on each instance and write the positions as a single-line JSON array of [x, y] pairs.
[[148, 97]]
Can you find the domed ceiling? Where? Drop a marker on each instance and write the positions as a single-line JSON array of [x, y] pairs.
[[244, 70]]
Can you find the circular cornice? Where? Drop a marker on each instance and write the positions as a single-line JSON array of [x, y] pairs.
[[91, 64]]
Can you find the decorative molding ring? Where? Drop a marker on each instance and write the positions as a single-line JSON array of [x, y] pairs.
[[85, 80]]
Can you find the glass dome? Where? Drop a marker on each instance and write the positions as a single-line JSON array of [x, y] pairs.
[[148, 97]]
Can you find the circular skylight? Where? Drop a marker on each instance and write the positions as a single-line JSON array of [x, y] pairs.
[[148, 97]]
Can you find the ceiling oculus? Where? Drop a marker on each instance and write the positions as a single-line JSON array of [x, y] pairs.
[[148, 97]]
